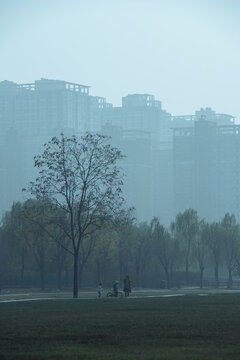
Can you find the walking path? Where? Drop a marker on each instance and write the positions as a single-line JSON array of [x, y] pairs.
[[91, 295]]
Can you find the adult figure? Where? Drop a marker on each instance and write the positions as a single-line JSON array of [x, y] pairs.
[[127, 286], [100, 290]]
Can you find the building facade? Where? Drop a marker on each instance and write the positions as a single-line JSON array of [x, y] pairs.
[[139, 112], [171, 163], [207, 169], [30, 114]]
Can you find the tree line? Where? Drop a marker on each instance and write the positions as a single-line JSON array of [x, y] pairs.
[[74, 229], [36, 252]]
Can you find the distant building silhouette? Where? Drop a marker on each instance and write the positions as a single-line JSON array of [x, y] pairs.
[[137, 165], [139, 112], [30, 114], [207, 114], [44, 106], [146, 132], [171, 163], [207, 169]]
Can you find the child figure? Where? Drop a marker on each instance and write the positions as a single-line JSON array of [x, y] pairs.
[[100, 289]]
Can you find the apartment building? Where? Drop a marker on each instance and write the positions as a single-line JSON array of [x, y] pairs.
[[30, 114], [172, 162], [140, 112], [206, 161]]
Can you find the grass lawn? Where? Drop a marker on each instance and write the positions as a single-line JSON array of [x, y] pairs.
[[187, 327]]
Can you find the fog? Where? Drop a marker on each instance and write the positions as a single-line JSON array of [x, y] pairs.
[[146, 67], [184, 52]]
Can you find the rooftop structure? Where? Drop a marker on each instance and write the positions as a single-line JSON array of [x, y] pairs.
[[139, 112], [207, 114], [136, 100], [44, 106], [53, 85]]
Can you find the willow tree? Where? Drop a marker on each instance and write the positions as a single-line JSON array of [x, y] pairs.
[[166, 248], [81, 177], [142, 248], [187, 227], [215, 239], [201, 248], [231, 244]]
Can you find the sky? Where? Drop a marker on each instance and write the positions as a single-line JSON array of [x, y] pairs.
[[185, 52]]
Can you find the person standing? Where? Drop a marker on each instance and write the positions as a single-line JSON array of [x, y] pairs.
[[127, 286], [100, 290]]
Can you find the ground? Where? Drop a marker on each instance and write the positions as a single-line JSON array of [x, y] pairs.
[[168, 327]]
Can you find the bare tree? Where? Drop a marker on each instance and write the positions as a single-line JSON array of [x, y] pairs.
[[81, 177]]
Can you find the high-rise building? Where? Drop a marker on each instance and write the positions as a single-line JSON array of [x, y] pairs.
[[169, 159], [135, 145], [44, 106], [207, 169], [146, 132], [162, 184], [139, 112], [97, 104], [30, 114]]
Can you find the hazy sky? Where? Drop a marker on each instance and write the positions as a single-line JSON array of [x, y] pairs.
[[185, 52]]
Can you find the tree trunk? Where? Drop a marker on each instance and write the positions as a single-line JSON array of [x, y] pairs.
[[171, 275], [142, 269], [121, 272], [187, 277], [75, 275], [229, 278], [104, 272], [98, 271], [80, 272], [167, 278], [59, 278], [22, 266], [216, 275], [201, 277], [137, 274], [42, 274]]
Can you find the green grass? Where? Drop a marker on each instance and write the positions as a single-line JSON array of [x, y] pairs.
[[189, 327]]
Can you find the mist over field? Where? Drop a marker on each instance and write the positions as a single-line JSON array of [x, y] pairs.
[[185, 53], [119, 179], [145, 178]]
